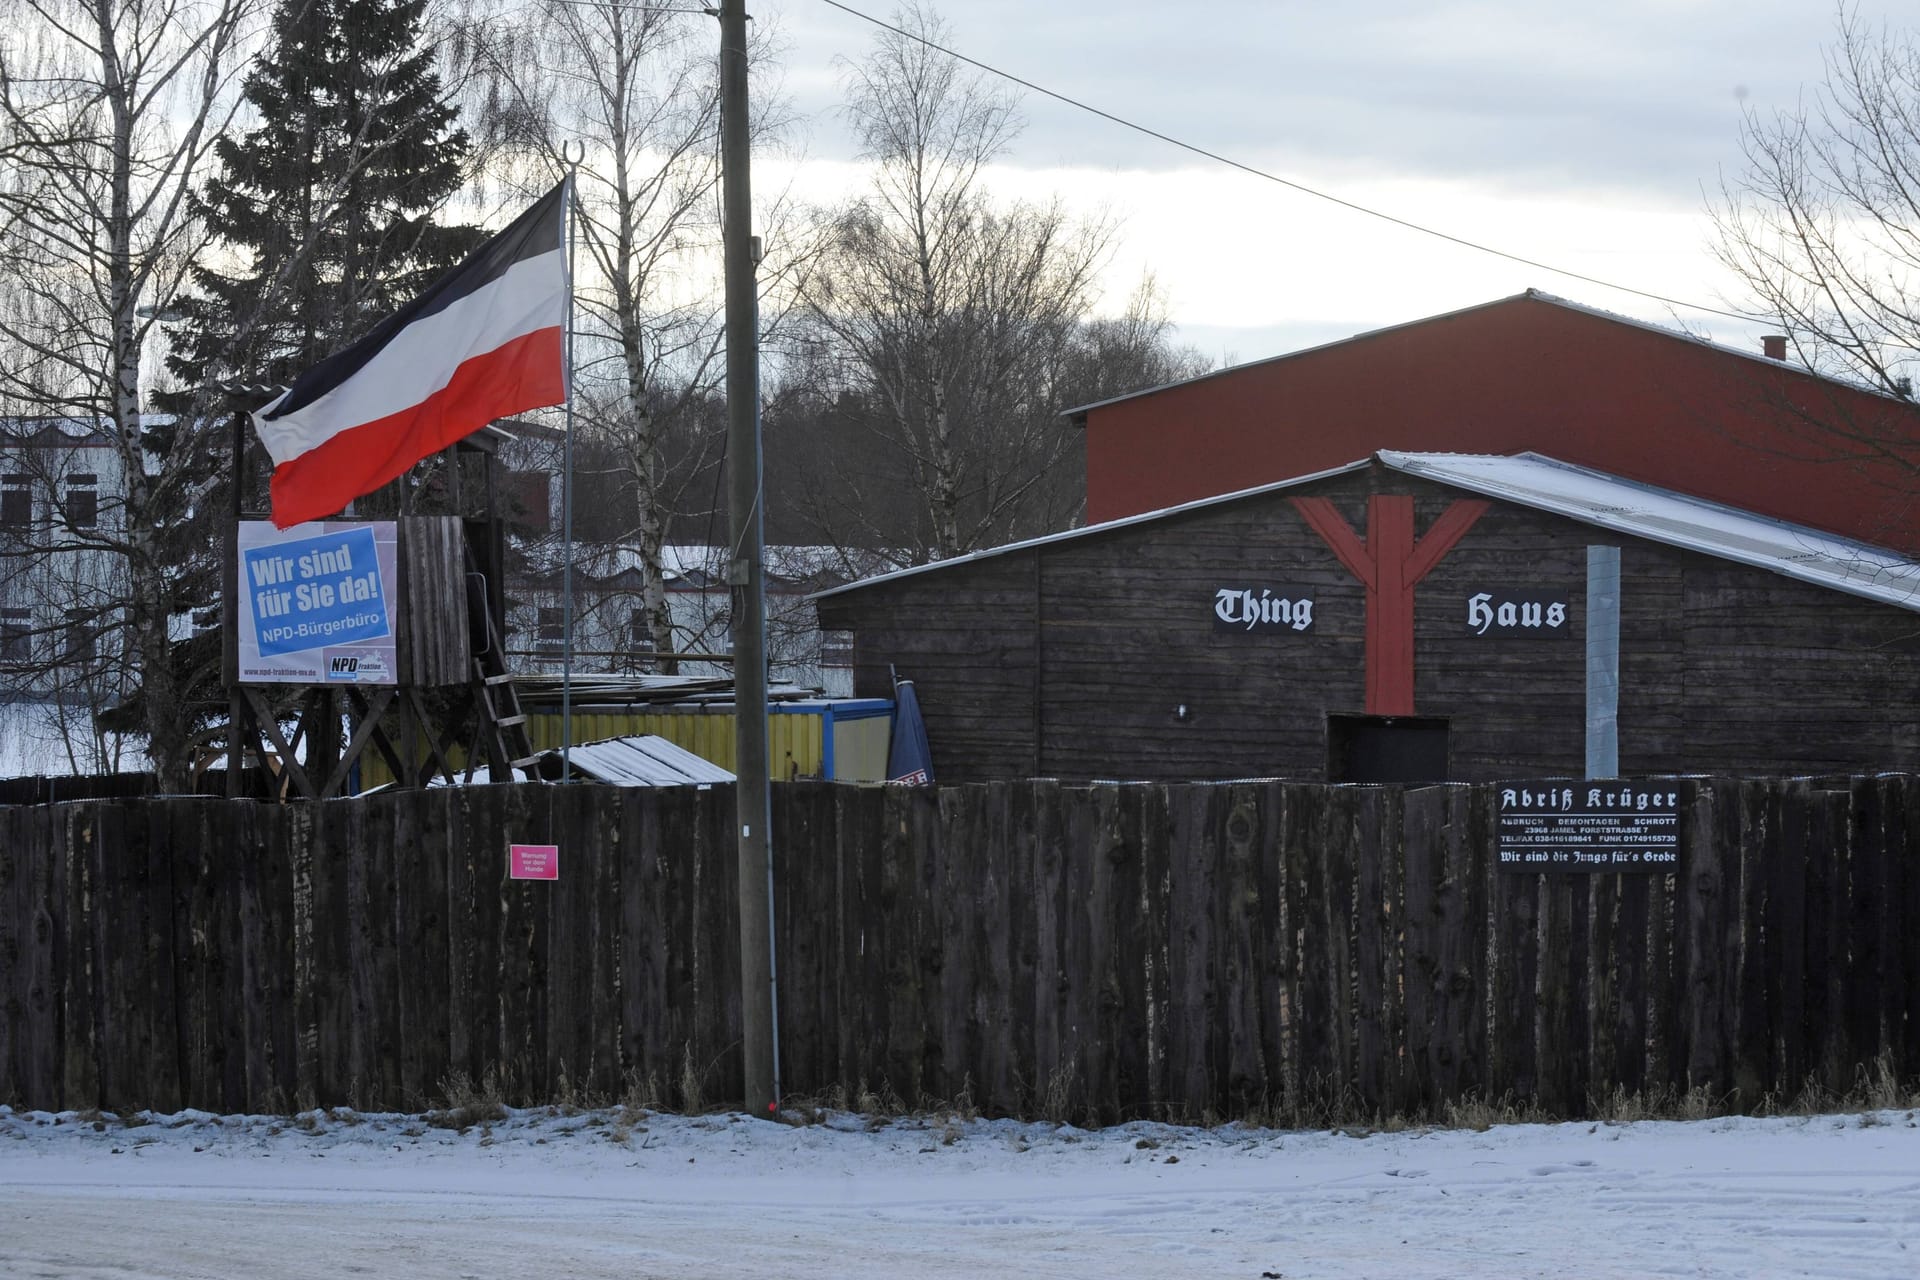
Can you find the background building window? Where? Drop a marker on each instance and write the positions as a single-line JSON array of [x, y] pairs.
[[83, 500], [79, 636], [16, 502], [16, 635], [528, 501], [548, 639]]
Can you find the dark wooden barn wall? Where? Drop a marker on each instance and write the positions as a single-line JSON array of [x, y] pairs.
[[1128, 638], [1298, 953], [1778, 668], [1508, 698], [976, 645], [1724, 667]]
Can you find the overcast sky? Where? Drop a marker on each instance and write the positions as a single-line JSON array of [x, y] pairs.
[[1585, 135]]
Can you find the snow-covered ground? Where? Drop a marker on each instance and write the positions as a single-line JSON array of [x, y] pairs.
[[540, 1195]]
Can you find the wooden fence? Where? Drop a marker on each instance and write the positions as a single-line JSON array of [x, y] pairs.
[[1100, 952]]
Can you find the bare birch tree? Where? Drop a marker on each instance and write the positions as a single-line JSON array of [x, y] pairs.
[[837, 480], [108, 112], [941, 312], [1822, 228], [637, 88]]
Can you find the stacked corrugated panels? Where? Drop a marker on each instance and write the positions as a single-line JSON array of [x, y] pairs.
[[642, 760]]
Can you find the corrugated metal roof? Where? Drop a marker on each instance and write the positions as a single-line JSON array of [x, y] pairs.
[[1592, 497], [1661, 515], [642, 760]]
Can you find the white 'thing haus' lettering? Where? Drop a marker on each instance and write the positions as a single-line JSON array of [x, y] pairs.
[[1241, 607], [1512, 615]]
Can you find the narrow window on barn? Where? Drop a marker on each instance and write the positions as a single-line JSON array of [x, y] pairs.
[[549, 636], [83, 500], [16, 502], [16, 635]]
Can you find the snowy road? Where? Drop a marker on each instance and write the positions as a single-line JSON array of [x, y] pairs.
[[541, 1196]]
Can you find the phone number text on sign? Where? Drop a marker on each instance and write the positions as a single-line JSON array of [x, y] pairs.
[[1612, 826]]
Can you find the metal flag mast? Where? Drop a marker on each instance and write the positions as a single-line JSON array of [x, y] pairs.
[[571, 154]]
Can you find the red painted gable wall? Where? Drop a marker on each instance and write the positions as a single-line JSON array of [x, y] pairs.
[[1515, 375]]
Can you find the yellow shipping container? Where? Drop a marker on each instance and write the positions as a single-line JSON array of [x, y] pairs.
[[844, 739]]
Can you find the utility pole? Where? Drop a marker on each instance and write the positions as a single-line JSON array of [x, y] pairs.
[[752, 803]]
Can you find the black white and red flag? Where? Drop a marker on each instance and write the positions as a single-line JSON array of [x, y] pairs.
[[485, 341]]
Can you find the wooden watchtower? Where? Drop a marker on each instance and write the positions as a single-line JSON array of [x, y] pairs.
[[446, 696]]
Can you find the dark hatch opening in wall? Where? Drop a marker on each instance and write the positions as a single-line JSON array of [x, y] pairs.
[[1386, 749]]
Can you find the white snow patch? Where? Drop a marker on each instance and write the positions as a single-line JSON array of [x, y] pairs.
[[542, 1194], [45, 739]]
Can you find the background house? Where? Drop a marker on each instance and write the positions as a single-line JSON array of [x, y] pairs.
[[610, 630], [1526, 372], [61, 595]]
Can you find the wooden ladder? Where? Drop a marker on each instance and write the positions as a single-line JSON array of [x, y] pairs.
[[503, 720]]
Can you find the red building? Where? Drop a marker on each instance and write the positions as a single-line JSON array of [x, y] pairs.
[[1526, 372]]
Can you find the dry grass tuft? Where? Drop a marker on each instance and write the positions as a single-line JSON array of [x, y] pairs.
[[467, 1104], [693, 1097]]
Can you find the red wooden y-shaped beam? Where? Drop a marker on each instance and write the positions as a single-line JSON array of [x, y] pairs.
[[1389, 562]]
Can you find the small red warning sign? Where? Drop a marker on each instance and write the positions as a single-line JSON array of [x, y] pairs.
[[535, 862]]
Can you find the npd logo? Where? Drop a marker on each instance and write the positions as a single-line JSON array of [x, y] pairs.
[[343, 669]]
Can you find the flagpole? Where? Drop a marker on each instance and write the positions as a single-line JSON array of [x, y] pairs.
[[571, 158]]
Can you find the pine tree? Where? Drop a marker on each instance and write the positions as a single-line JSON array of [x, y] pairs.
[[327, 204], [320, 221]]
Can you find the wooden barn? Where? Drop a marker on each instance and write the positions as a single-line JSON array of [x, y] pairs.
[[1409, 617], [1747, 428]]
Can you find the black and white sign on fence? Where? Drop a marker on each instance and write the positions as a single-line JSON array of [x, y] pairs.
[[1589, 826]]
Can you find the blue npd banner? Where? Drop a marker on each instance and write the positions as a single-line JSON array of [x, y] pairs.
[[314, 592], [314, 603]]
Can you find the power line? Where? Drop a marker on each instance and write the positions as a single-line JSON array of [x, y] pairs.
[[702, 11], [1287, 182]]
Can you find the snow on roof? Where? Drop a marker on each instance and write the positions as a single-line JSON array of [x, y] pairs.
[[1583, 494], [17, 429], [1661, 515], [1077, 414]]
